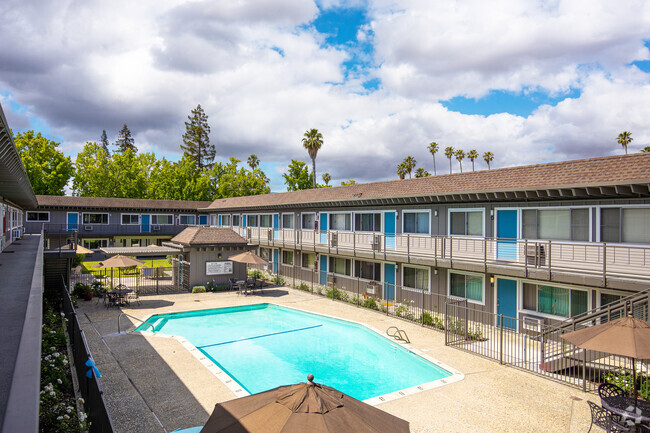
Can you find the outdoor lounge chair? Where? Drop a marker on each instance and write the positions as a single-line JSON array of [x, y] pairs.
[[604, 419]]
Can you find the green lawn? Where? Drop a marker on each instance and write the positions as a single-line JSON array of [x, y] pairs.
[[88, 266]]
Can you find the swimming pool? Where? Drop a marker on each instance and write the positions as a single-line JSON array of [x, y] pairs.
[[264, 346]]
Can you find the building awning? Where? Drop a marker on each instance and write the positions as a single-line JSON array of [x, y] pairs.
[[139, 251], [14, 183]]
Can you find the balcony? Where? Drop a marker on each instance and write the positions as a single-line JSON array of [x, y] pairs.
[[104, 230], [585, 263]]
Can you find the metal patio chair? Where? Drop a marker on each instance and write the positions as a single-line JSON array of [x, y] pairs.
[[610, 390], [604, 419]]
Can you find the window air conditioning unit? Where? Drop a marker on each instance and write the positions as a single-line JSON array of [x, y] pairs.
[[371, 287], [155, 228], [535, 254], [88, 228], [269, 235], [532, 324], [376, 243], [334, 239]]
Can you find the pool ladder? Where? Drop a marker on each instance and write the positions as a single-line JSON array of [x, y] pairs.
[[398, 334]]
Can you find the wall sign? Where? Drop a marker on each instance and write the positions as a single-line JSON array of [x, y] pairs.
[[218, 268]]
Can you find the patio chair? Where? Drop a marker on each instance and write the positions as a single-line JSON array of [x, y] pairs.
[[610, 390], [604, 419], [133, 296], [233, 284]]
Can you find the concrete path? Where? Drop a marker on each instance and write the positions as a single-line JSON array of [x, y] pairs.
[[153, 384]]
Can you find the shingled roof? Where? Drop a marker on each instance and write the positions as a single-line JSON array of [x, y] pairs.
[[117, 203], [207, 236], [624, 175]]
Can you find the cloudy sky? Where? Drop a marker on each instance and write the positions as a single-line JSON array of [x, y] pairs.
[[531, 81]]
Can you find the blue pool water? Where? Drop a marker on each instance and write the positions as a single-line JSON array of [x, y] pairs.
[[265, 346]]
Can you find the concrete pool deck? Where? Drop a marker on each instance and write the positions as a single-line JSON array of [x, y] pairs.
[[153, 384]]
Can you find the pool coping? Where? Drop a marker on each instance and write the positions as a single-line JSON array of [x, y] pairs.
[[237, 389]]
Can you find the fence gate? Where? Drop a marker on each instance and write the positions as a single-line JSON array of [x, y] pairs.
[[455, 322]]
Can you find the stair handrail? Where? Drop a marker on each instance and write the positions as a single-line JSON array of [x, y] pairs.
[[119, 331], [399, 334]]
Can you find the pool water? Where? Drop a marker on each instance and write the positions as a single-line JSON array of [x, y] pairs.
[[264, 346]]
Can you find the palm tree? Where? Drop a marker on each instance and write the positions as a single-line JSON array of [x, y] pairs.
[[646, 149], [472, 155], [409, 164], [449, 153], [401, 170], [488, 157], [460, 154], [433, 149], [421, 172], [312, 141], [327, 178], [625, 138], [253, 161]]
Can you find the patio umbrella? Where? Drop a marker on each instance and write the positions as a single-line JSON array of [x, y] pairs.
[[626, 336], [78, 248], [119, 261], [304, 407], [249, 258]]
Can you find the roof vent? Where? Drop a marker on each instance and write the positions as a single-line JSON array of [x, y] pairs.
[[357, 195]]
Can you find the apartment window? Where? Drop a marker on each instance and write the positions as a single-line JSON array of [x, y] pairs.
[[287, 257], [415, 278], [466, 223], [340, 266], [38, 216], [416, 222], [340, 221], [225, 220], [187, 220], [266, 221], [235, 220], [130, 219], [162, 219], [265, 253], [287, 221], [213, 220], [367, 222], [252, 220], [94, 244], [94, 218], [557, 301], [556, 224], [367, 270], [308, 260], [630, 225], [468, 286], [308, 221]]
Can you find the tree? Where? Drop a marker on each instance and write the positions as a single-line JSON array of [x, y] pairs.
[[472, 155], [449, 153], [253, 161], [433, 149], [401, 170], [297, 176], [421, 172], [625, 138], [646, 149], [234, 181], [488, 157], [348, 182], [196, 140], [409, 163], [47, 168], [460, 154], [125, 140], [104, 142], [312, 141], [327, 178]]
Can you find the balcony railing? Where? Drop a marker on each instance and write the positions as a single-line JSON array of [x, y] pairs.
[[539, 259], [99, 230]]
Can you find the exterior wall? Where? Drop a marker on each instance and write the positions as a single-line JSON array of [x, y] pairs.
[[11, 224], [199, 256]]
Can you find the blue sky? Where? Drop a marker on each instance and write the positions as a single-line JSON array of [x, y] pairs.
[[379, 79]]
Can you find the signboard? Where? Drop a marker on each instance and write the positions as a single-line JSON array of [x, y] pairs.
[[218, 268]]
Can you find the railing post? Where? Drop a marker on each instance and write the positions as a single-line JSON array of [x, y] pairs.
[[584, 370], [485, 255], [435, 250], [446, 323], [408, 248], [550, 267], [604, 264], [501, 339], [451, 255], [526, 257], [358, 291]]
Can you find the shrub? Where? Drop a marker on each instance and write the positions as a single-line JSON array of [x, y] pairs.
[[78, 258], [198, 289], [304, 287], [426, 319], [370, 303], [80, 290], [319, 290], [221, 288], [255, 273], [278, 280], [98, 288]]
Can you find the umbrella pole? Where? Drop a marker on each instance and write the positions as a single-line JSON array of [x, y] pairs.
[[636, 392]]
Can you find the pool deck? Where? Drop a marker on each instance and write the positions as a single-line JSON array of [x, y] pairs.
[[153, 384]]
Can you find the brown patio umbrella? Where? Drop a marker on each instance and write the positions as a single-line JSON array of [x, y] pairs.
[[250, 258], [626, 336], [78, 248], [305, 407], [119, 261]]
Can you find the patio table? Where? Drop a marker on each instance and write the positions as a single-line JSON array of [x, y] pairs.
[[242, 287], [118, 295], [624, 406]]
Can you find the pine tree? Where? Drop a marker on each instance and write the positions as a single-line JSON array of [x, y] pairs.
[[104, 141], [125, 140], [196, 140]]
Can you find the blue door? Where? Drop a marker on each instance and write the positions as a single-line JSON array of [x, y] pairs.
[[507, 234], [73, 221], [323, 269], [323, 228], [145, 221], [243, 224], [389, 231], [203, 220], [507, 302], [219, 223], [276, 260], [389, 281], [276, 226]]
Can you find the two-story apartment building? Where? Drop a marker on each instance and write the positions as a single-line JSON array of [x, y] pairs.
[[112, 222], [543, 242]]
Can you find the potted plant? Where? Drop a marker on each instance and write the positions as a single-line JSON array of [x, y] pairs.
[[83, 291]]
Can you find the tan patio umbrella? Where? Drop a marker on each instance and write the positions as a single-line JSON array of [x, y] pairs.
[[119, 261], [250, 258], [305, 407], [626, 336], [79, 249]]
